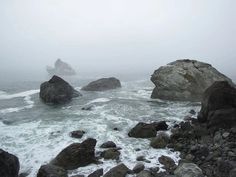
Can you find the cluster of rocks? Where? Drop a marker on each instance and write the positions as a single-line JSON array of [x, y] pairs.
[[58, 91]]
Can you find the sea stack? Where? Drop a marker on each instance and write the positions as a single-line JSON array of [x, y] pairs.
[[184, 80], [57, 91]]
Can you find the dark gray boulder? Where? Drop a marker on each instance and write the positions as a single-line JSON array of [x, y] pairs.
[[57, 91], [108, 144], [9, 164], [76, 155], [184, 80], [219, 106], [103, 84], [168, 163], [138, 168], [77, 134], [143, 130], [96, 173], [111, 154], [160, 141], [119, 171], [51, 171]]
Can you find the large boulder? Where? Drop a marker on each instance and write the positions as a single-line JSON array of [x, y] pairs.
[[143, 130], [51, 171], [188, 170], [184, 80], [57, 91], [9, 164], [119, 171], [219, 105], [103, 84], [61, 68], [76, 155]]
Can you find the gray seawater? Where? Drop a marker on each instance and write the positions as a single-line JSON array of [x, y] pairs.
[[37, 132]]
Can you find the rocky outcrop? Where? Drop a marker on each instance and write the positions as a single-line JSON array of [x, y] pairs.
[[51, 171], [219, 106], [103, 84], [119, 171], [188, 170], [57, 91], [61, 68], [76, 155], [184, 80], [9, 164]]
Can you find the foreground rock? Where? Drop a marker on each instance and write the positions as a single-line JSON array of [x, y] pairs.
[[219, 106], [103, 84], [9, 164], [76, 155], [188, 170], [119, 171], [61, 68], [51, 171], [57, 91], [184, 80]]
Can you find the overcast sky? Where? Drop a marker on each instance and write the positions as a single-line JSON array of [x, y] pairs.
[[115, 36]]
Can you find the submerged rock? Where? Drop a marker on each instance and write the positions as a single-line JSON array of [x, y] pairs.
[[57, 91], [77, 134], [51, 171], [61, 68], [143, 130], [184, 80], [119, 171], [76, 155], [108, 144], [219, 106], [9, 164], [103, 84]]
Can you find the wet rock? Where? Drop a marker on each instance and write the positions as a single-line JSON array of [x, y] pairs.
[[145, 173], [160, 125], [77, 134], [119, 171], [108, 144], [112, 154], [193, 112], [103, 84], [51, 171], [87, 108], [232, 173], [143, 130], [168, 163], [188, 170], [97, 173], [219, 102], [23, 174], [184, 80], [160, 141], [138, 168], [57, 91], [9, 164], [224, 167], [76, 155]]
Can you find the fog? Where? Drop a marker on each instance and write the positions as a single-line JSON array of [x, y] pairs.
[[114, 37]]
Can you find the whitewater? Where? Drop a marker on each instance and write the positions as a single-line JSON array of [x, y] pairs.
[[36, 132]]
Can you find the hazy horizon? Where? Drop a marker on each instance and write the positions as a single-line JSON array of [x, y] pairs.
[[114, 38]]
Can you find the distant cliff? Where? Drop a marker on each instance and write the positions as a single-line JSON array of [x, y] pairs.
[[61, 68]]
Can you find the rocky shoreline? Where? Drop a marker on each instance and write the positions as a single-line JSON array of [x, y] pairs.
[[207, 145]]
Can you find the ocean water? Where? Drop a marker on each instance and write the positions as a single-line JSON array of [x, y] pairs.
[[36, 132]]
